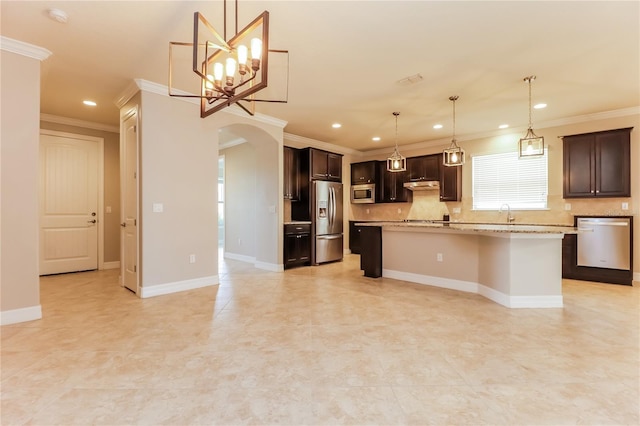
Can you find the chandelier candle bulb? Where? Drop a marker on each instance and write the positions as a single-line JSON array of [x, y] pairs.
[[231, 70], [256, 48], [242, 59]]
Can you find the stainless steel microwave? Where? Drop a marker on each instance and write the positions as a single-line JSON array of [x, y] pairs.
[[363, 194]]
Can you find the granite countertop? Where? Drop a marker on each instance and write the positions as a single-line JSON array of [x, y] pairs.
[[298, 222], [518, 228]]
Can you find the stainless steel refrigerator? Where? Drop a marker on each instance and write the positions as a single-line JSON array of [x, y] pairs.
[[326, 219]]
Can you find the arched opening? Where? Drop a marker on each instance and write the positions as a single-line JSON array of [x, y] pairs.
[[253, 200]]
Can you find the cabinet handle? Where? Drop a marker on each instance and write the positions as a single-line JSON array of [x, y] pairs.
[[592, 191], [598, 191]]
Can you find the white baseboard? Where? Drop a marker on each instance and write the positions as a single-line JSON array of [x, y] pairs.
[[240, 257], [273, 267], [175, 287], [111, 265], [471, 287], [14, 316], [448, 283]]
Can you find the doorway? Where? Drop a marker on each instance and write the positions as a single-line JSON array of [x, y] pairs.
[[129, 204], [71, 186]]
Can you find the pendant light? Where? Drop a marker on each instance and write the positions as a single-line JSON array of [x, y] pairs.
[[531, 145], [396, 162], [454, 155]]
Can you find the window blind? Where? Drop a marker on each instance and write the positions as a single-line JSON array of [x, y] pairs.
[[506, 179]]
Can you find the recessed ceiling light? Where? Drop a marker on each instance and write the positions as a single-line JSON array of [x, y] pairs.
[[336, 125], [437, 126], [503, 126], [89, 103], [376, 138], [540, 106]]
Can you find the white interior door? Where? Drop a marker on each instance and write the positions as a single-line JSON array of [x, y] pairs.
[[129, 216], [69, 168]]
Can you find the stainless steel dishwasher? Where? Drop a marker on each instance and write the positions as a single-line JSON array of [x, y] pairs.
[[604, 242]]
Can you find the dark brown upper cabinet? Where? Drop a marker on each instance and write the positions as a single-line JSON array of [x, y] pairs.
[[364, 172], [391, 188], [291, 174], [450, 183], [423, 168], [325, 165], [597, 164]]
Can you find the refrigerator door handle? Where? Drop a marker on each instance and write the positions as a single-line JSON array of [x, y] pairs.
[[329, 237], [331, 207]]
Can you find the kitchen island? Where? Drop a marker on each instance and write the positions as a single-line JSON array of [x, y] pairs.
[[515, 265]]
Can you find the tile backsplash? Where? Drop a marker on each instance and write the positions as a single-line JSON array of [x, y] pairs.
[[427, 205]]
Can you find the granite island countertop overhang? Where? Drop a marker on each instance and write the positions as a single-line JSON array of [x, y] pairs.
[[479, 227]]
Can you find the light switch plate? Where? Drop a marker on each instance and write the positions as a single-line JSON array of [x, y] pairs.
[[625, 206], [567, 206], [158, 207]]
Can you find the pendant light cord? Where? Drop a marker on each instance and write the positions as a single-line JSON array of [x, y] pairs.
[[528, 79], [396, 114], [454, 99]]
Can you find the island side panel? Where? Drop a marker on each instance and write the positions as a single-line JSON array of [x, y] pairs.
[[522, 270], [411, 254]]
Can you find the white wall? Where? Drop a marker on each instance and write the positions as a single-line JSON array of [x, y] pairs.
[[19, 136], [240, 201], [178, 169], [254, 217]]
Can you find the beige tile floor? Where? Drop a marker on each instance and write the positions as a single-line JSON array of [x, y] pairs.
[[319, 346]]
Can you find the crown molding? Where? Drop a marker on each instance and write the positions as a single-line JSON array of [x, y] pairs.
[[163, 90], [24, 49], [231, 143], [303, 142], [79, 123], [128, 93]]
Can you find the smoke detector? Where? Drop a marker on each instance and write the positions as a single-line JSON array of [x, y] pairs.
[[58, 15]]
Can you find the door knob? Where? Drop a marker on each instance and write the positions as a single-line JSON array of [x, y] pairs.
[[123, 224], [91, 221]]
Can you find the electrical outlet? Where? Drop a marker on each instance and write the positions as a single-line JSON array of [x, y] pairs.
[[192, 258], [367, 211], [439, 257], [456, 210], [107, 209], [399, 211], [239, 241], [625, 206], [567, 206], [158, 207]]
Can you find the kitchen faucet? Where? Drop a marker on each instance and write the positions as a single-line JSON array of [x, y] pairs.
[[510, 218]]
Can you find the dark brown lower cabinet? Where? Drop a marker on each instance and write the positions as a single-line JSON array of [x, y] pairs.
[[297, 245], [371, 251]]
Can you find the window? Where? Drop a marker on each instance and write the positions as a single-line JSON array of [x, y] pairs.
[[505, 179]]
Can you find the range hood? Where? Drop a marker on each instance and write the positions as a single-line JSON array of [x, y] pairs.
[[423, 185]]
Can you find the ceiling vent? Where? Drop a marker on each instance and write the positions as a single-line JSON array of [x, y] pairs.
[[412, 79]]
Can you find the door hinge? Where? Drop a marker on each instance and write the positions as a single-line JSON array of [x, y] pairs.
[[135, 175], [135, 128], [135, 268], [135, 222]]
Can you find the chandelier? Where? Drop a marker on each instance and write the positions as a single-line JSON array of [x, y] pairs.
[[454, 155], [228, 70], [396, 162], [531, 145]]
